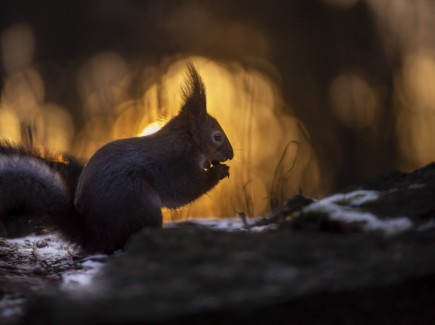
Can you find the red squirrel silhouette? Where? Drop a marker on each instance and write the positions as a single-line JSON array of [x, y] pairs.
[[123, 186]]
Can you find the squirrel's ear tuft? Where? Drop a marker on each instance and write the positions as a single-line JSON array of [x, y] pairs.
[[194, 94]]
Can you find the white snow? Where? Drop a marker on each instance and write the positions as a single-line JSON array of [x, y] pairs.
[[344, 207], [44, 248], [341, 207], [229, 224], [44, 244], [354, 198], [76, 279], [53, 248]]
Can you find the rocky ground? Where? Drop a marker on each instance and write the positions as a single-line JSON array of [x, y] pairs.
[[364, 255]]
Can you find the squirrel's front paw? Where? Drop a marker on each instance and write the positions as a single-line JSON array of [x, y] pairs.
[[221, 171]]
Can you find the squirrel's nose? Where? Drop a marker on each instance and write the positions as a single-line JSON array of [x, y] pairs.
[[230, 154]]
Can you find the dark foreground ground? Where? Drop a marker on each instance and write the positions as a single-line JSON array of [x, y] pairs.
[[365, 256]]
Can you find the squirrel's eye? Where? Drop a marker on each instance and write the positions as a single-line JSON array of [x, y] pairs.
[[217, 136]]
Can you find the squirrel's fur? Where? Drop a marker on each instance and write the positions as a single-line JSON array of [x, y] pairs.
[[125, 183]]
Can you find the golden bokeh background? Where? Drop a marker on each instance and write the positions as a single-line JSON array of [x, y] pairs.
[[296, 124]]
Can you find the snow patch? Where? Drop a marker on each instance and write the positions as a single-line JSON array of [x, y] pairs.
[[343, 207], [229, 224], [48, 248], [354, 198], [53, 250], [224, 224], [76, 279], [44, 244]]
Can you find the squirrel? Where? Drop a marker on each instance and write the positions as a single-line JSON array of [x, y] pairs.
[[123, 186]]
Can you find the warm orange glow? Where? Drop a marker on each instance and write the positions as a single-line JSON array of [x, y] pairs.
[[269, 148], [151, 128], [418, 80], [9, 125], [24, 92], [52, 155], [54, 128], [102, 83], [405, 28], [248, 106], [415, 130], [113, 97]]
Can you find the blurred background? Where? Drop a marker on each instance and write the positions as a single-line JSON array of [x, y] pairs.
[[315, 95]]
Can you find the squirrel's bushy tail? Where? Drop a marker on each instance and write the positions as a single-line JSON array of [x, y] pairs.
[[36, 193]]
